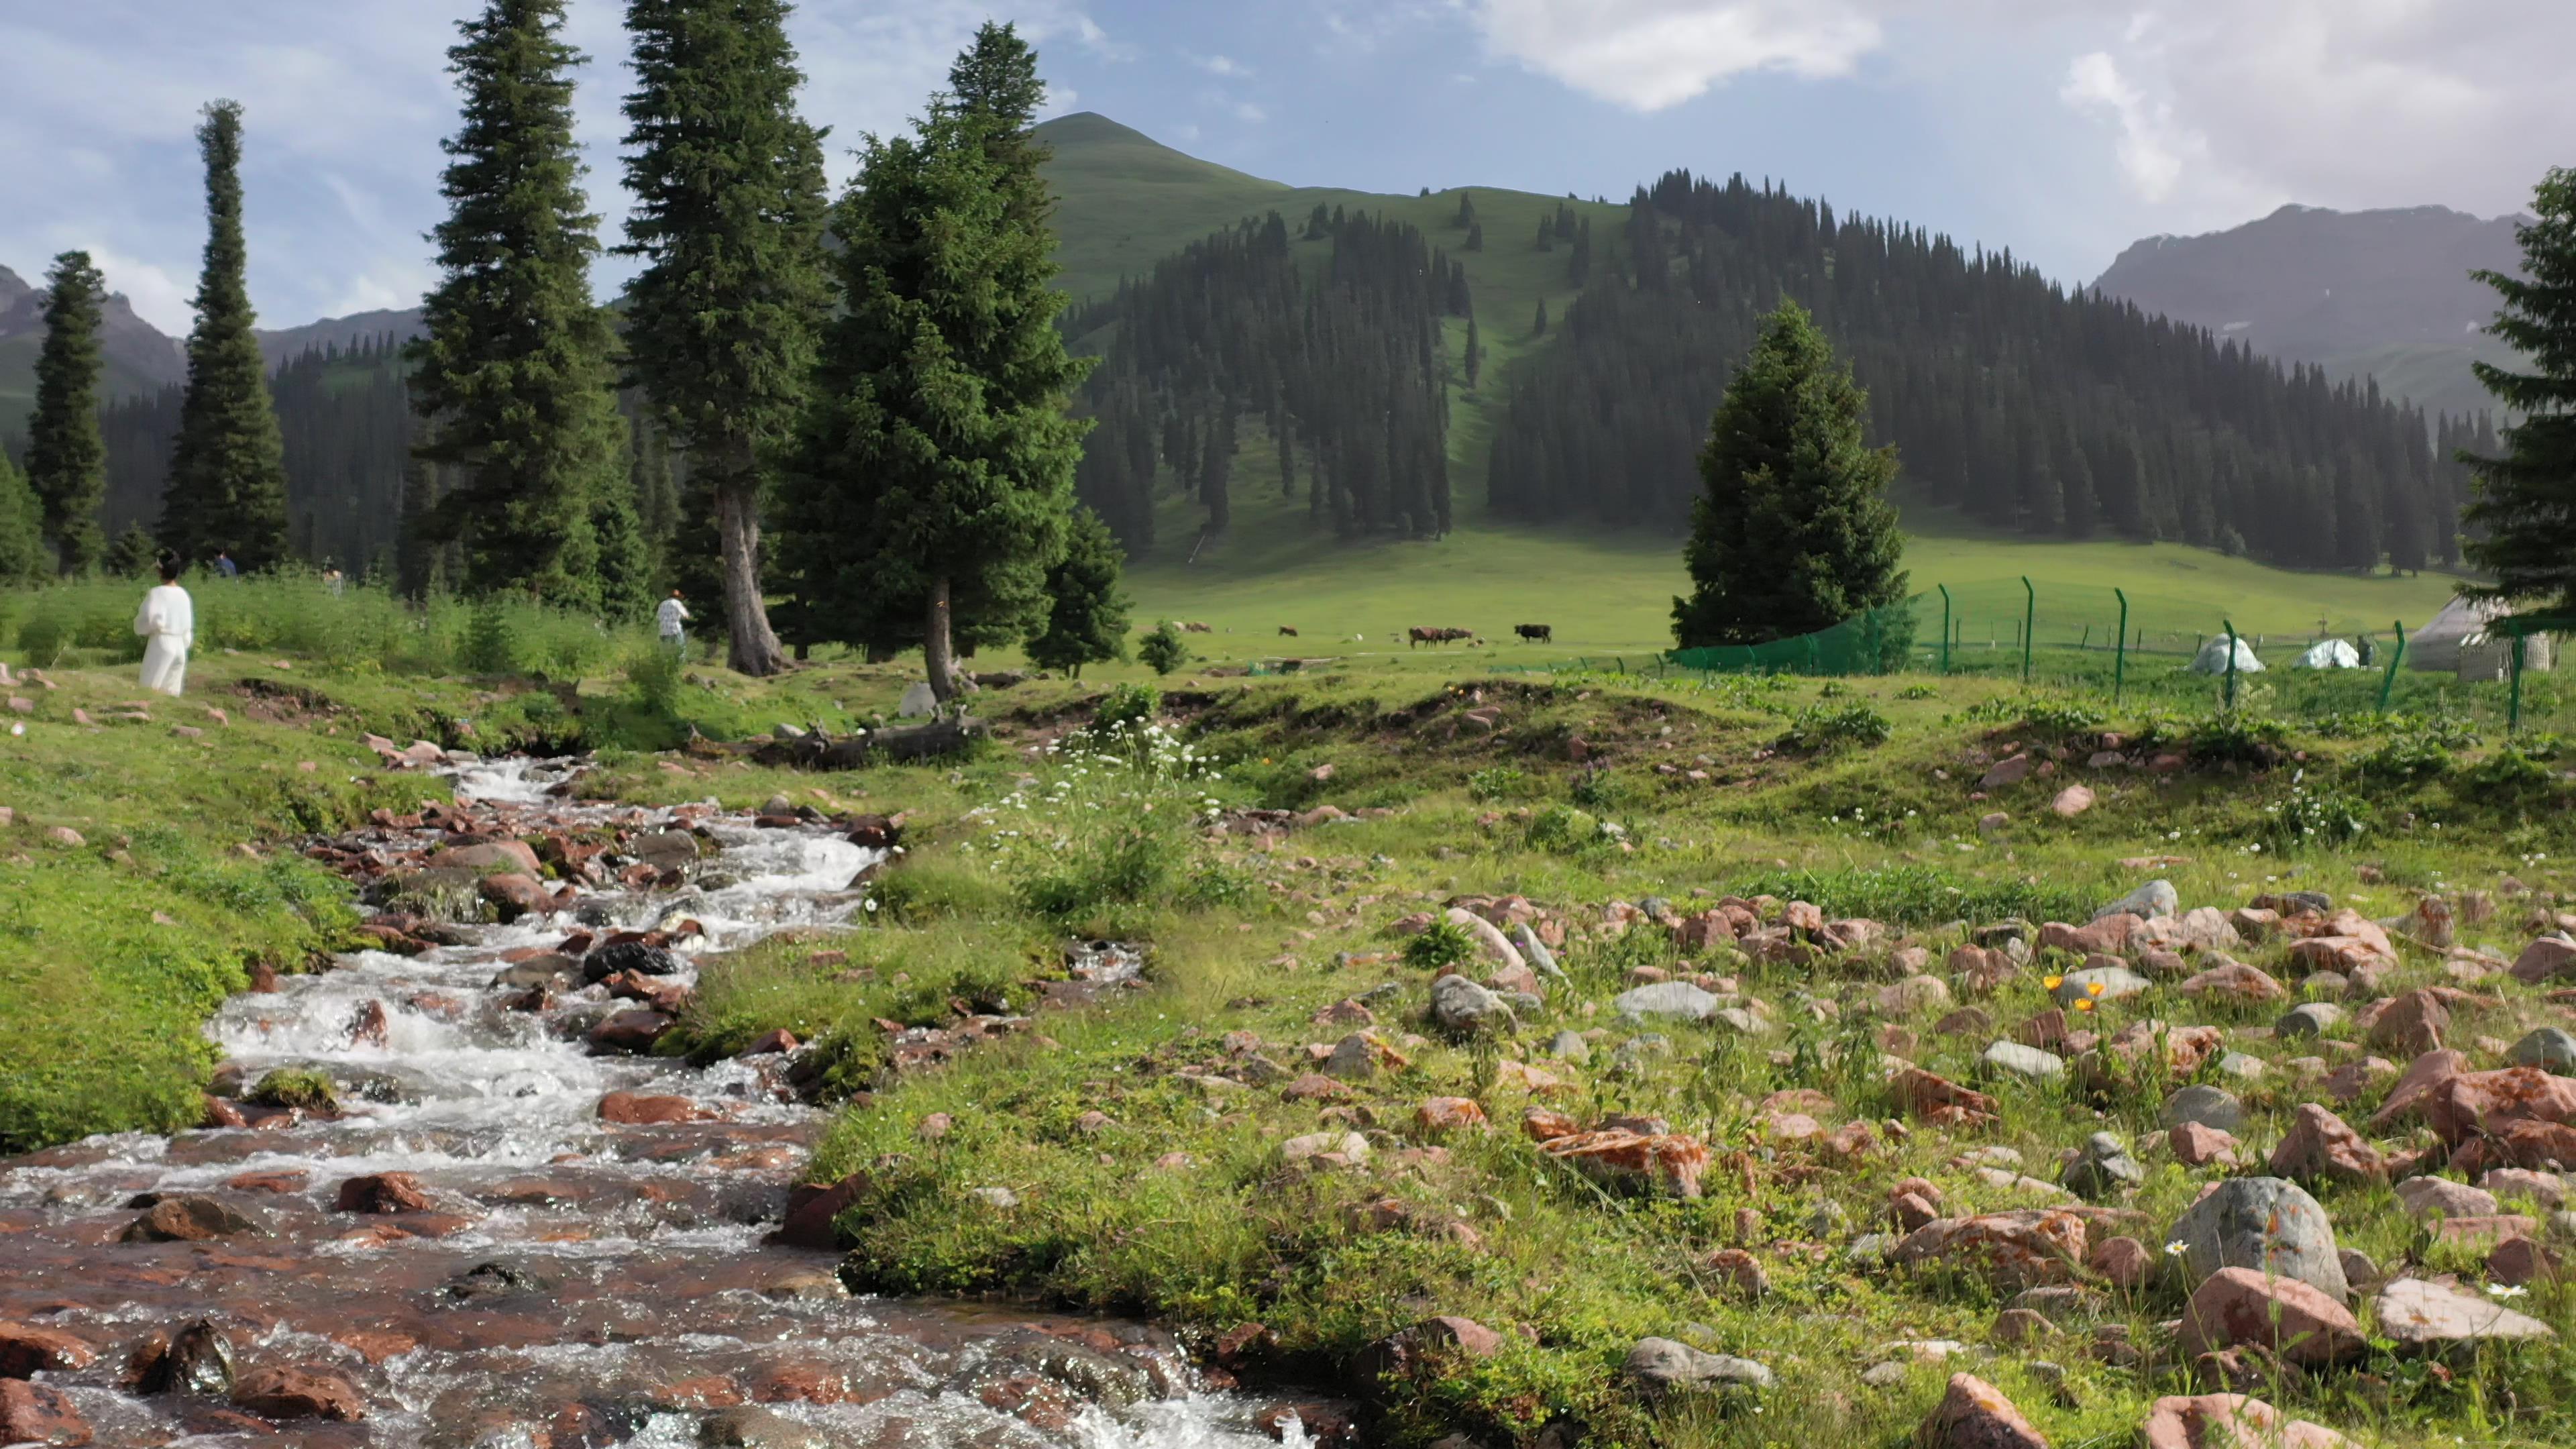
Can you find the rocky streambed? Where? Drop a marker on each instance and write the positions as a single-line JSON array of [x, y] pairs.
[[507, 1228]]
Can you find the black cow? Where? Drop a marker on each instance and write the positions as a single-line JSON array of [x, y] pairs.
[[1535, 633]]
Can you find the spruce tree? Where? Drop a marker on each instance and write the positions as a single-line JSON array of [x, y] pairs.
[[1476, 236], [417, 553], [1086, 620], [1793, 531], [1475, 355], [227, 488], [936, 465], [721, 324], [22, 528], [134, 553], [513, 380], [1538, 325], [2526, 495], [66, 458]]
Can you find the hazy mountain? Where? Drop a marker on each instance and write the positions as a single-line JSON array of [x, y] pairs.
[[339, 332], [2383, 293]]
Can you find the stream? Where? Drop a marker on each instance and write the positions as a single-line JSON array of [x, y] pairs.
[[569, 1281]]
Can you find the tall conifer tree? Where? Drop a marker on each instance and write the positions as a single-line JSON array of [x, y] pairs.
[[1793, 532], [729, 216], [1086, 620], [514, 380], [66, 459], [936, 469], [227, 490], [22, 528], [2526, 496]]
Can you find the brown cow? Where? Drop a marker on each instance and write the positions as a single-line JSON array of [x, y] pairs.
[[1287, 633]]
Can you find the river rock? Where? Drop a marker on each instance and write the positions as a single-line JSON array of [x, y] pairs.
[[1465, 1008], [2116, 983], [2423, 1315], [1662, 1367], [2295, 1320], [27, 1349], [1974, 1414], [384, 1192], [2321, 1147], [2155, 898], [634, 956], [39, 1414], [666, 849], [299, 1393], [630, 1031], [1666, 998], [188, 1219], [2209, 1106], [2551, 1048], [2009, 1249], [749, 1426], [509, 857], [2263, 1223], [2310, 1019]]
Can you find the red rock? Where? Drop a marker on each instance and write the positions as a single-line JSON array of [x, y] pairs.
[[2016, 1249], [2413, 1024], [2516, 1144], [516, 895], [1941, 1102], [630, 1109], [386, 1192], [2414, 1091], [1545, 1124], [2320, 1147], [2492, 1227], [1449, 1114], [275, 1180], [511, 856], [2011, 770], [299, 1393], [2229, 1421], [774, 1043], [2466, 1104], [2342, 954], [1739, 1270], [630, 1031], [1974, 1414], [39, 1414], [811, 1207], [220, 1113], [2519, 1260], [26, 1348], [2545, 959], [2197, 1144], [1667, 1161], [808, 1383], [1314, 1087], [2291, 1318], [2123, 1262], [2234, 981], [2108, 936]]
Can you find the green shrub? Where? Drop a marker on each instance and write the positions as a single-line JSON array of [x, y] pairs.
[[1122, 866], [296, 1087], [2314, 815], [1562, 828], [2404, 757], [1922, 895], [2237, 737], [1131, 705], [654, 675], [1163, 650], [1608, 790], [1443, 943], [2510, 776], [1497, 782], [1817, 729]]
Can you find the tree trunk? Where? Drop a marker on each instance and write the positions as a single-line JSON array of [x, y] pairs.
[[753, 647], [937, 655]]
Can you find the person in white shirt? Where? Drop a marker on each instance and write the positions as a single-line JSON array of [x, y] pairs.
[[167, 623], [669, 618]]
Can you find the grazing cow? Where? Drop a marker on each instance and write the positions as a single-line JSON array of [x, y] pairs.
[[1535, 633], [1435, 637], [1287, 633], [1196, 629]]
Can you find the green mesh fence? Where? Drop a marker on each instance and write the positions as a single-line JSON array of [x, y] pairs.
[[2152, 650]]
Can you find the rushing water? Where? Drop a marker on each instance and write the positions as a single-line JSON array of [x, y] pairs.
[[633, 1296]]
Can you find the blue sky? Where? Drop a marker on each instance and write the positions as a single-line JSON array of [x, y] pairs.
[[2063, 129]]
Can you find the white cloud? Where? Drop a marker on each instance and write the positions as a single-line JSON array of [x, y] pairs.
[[2151, 145], [1651, 54], [1221, 65], [1248, 111], [165, 300]]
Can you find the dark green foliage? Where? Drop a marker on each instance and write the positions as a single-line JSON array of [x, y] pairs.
[[133, 554], [2032, 410], [1916, 895], [936, 462], [721, 324], [22, 528], [1475, 361], [2526, 496], [1086, 619], [1794, 532], [1342, 362], [1442, 943], [1821, 727], [227, 482], [513, 381], [66, 460], [1162, 651], [1538, 324], [1126, 707]]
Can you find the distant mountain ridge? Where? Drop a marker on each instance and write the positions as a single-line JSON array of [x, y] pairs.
[[2384, 293]]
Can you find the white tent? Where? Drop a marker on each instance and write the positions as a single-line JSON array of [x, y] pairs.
[[2330, 654], [2212, 658], [2457, 642]]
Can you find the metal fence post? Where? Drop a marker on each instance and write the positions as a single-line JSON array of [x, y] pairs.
[[2120, 658], [1945, 626], [2396, 657], [2029, 624], [2513, 700], [2231, 662]]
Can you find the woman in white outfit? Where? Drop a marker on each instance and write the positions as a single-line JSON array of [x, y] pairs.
[[168, 623]]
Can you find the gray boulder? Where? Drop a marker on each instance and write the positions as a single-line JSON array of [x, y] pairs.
[[1666, 998], [1535, 952], [1567, 1046], [2314, 1018], [2551, 1047], [2267, 1224], [2030, 1063], [2209, 1106], [2118, 983], [1662, 1366], [2105, 1170], [1462, 1006], [2155, 898]]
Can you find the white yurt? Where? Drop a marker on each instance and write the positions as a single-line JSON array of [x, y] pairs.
[[2457, 642], [2212, 658], [2330, 654]]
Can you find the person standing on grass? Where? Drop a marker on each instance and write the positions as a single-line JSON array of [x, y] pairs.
[[167, 623], [669, 619], [224, 564]]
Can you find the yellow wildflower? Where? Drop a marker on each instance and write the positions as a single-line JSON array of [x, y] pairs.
[[2052, 982], [2084, 1003], [2092, 988]]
